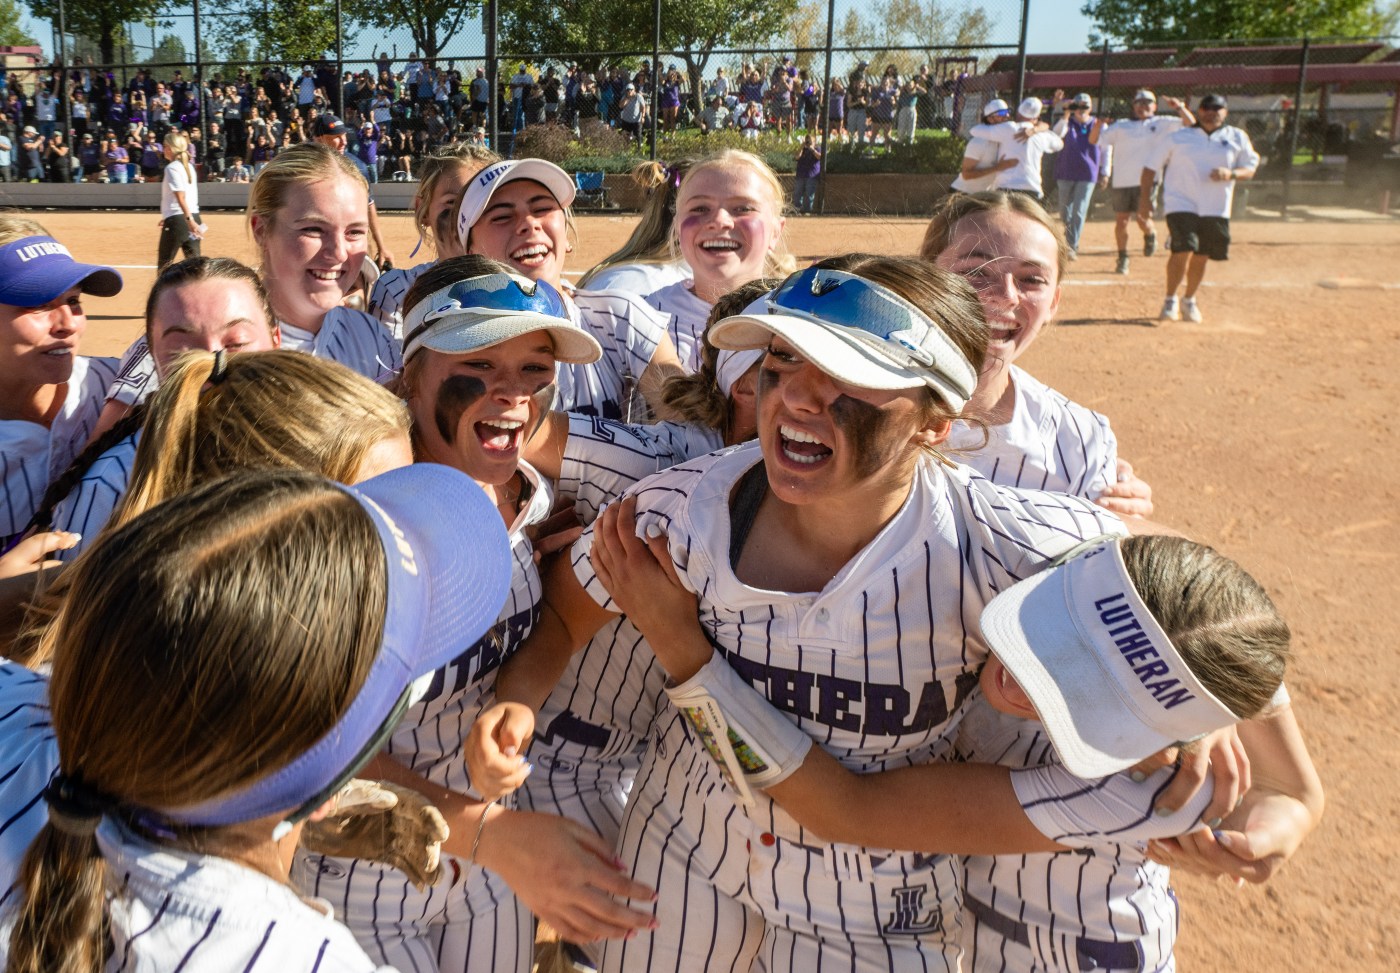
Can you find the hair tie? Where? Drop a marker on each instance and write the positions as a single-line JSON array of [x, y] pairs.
[[220, 370], [75, 808]]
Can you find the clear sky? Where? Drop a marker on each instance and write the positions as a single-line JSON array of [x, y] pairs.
[[1057, 27]]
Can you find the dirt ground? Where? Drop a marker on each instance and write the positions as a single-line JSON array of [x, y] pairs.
[[1269, 431]]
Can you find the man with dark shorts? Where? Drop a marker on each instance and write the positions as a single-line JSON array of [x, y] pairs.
[[1202, 165], [1134, 141]]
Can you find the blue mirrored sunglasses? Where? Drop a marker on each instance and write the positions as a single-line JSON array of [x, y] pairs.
[[844, 299], [493, 292]]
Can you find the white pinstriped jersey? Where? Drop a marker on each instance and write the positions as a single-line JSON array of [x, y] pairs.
[[178, 910], [629, 332], [353, 338], [688, 314], [31, 456], [429, 739], [1106, 889], [386, 298], [593, 725], [88, 508], [639, 279], [136, 377], [874, 667], [1051, 443], [28, 759], [350, 337]]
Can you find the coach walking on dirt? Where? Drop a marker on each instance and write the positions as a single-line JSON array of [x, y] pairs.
[[1202, 164]]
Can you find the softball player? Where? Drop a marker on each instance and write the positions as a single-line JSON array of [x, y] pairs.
[[1031, 436], [168, 823], [307, 212], [752, 879], [52, 396], [1088, 635], [728, 226], [517, 213], [481, 346], [206, 304], [441, 179], [1025, 142], [596, 707]]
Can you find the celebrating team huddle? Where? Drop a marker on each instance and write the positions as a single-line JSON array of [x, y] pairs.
[[718, 613]]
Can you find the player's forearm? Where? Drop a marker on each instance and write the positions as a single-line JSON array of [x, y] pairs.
[[530, 675], [952, 809], [1279, 760], [665, 363]]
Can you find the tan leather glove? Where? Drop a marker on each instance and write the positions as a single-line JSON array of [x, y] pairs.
[[382, 822]]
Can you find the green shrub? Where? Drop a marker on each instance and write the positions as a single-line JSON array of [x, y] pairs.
[[603, 149]]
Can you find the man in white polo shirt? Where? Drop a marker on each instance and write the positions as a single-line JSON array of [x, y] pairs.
[[1134, 141], [1202, 165]]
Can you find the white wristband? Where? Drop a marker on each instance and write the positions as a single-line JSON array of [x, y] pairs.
[[753, 743]]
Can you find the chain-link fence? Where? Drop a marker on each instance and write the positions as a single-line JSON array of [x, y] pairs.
[[887, 86]]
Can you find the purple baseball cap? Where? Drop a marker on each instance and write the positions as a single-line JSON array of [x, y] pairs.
[[449, 568], [36, 269]]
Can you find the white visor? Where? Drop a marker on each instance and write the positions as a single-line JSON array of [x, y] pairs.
[[1106, 682]]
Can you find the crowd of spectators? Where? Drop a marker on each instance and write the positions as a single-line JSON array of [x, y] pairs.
[[396, 113]]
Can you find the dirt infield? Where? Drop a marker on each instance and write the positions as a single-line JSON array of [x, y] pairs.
[[1269, 431]]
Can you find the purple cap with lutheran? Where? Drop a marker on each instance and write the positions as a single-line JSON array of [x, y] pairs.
[[37, 269]]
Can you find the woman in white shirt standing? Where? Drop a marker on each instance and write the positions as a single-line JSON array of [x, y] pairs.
[[180, 226]]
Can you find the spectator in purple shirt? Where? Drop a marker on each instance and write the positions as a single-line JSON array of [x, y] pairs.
[[1078, 164], [809, 167]]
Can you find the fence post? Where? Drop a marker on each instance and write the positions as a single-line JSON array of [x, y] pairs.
[[653, 107], [1297, 124], [200, 87], [1103, 77], [337, 97], [493, 103], [825, 109], [1021, 60], [63, 98]]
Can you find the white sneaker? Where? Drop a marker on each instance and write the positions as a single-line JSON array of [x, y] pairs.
[[1190, 311], [1169, 311]]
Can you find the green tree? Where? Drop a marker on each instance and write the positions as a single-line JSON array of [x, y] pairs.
[[104, 21], [1135, 23], [433, 23], [931, 28], [279, 31], [690, 30], [11, 34]]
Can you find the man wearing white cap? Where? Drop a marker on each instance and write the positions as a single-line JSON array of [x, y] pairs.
[[1132, 141], [1026, 141], [1202, 163], [981, 161]]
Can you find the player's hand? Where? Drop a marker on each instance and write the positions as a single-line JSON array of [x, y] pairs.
[[495, 749], [32, 553], [1219, 755], [382, 822], [386, 259], [1254, 842], [1129, 496], [565, 874], [1004, 164], [1173, 103], [1024, 135], [640, 576], [1220, 174], [555, 533]]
